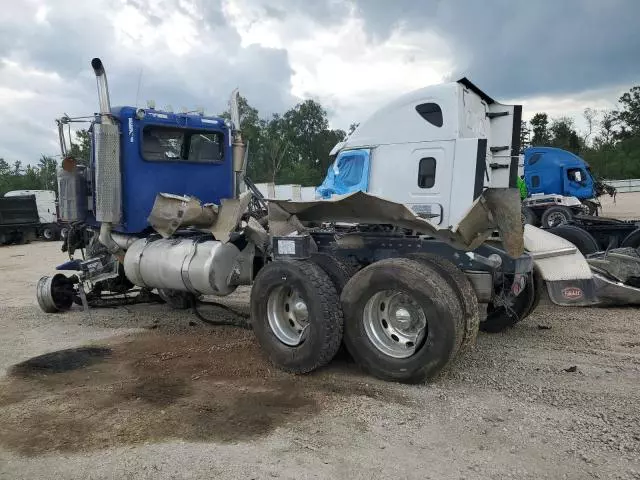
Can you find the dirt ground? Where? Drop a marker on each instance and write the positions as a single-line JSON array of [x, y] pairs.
[[144, 392], [625, 206]]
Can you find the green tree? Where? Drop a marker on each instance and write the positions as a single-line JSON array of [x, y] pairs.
[[590, 117], [47, 173], [615, 151], [628, 117], [81, 147], [276, 149], [540, 127], [312, 140], [564, 135], [525, 136]]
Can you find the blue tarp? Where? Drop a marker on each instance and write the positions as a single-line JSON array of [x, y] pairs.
[[348, 174]]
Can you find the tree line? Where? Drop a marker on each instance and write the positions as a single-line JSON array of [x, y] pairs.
[[42, 175], [294, 147], [289, 148], [610, 142]]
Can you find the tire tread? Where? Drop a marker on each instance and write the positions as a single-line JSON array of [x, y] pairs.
[[439, 292], [330, 305]]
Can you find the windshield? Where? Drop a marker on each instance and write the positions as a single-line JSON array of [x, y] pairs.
[[172, 144]]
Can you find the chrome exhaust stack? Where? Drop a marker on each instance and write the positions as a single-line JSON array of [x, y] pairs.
[[106, 141], [239, 147], [103, 88]]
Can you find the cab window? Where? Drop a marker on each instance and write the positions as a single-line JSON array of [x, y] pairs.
[[427, 172], [576, 175], [162, 144]]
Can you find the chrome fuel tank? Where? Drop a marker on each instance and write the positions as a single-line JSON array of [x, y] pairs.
[[184, 264]]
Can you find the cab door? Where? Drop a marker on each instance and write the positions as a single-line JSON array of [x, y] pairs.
[[416, 174]]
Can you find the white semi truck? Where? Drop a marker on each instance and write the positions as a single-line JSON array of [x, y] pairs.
[[437, 149]]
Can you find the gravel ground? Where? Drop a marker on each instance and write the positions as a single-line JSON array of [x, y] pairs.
[[146, 392], [624, 206]]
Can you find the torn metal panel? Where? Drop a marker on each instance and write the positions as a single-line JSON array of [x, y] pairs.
[[281, 221], [257, 234], [171, 212], [623, 264], [229, 215], [495, 209]]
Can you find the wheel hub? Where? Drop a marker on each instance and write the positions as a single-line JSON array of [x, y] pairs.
[[395, 323], [288, 315]]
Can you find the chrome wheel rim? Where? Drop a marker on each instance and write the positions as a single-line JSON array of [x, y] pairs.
[[395, 323], [288, 315]]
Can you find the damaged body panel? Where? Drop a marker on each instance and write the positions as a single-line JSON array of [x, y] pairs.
[[495, 209], [605, 278]]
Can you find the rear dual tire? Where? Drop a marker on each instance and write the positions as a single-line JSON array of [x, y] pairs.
[[404, 319], [419, 296]]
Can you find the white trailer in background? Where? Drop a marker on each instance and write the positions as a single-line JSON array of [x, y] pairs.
[[287, 192], [308, 194], [47, 211]]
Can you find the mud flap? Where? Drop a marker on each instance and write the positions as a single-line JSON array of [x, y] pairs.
[[564, 269], [573, 293]]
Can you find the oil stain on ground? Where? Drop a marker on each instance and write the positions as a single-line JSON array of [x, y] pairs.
[[155, 386]]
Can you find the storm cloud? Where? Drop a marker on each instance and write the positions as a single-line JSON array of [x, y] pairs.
[[520, 48], [352, 55]]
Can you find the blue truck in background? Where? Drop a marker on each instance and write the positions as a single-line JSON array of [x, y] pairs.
[[562, 195], [553, 170], [559, 186]]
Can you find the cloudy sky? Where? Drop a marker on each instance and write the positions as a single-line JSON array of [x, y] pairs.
[[559, 56]]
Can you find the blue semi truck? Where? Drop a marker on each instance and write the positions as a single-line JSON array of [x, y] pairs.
[[162, 212], [562, 195], [559, 186]]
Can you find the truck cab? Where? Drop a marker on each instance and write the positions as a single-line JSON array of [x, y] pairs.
[[144, 152], [549, 170], [408, 151]]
